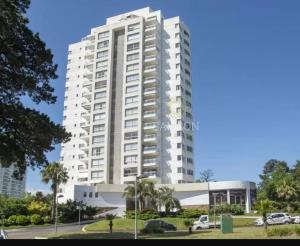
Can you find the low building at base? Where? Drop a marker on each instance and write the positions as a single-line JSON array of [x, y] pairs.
[[190, 195]]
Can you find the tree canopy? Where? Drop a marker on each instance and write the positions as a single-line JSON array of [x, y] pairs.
[[26, 70]]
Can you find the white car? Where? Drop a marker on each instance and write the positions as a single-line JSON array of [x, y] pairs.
[[275, 218], [296, 220], [203, 223]]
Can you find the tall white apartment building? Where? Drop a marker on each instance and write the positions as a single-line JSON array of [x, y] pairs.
[[10, 186], [128, 102]]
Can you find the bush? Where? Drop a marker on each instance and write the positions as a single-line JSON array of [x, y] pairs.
[[6, 222], [191, 213], [22, 220], [47, 220], [12, 220], [228, 208], [36, 219], [283, 231], [146, 214]]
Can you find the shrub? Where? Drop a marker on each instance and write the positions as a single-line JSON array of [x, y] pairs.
[[36, 219], [12, 219], [6, 222], [283, 231], [191, 213], [47, 220], [228, 208], [142, 215], [22, 220]]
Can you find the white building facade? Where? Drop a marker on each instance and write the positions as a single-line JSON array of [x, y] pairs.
[[128, 102], [10, 186], [190, 195]]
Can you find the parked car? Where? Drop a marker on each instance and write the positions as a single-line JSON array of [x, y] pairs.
[[296, 219], [161, 224], [275, 218], [203, 223]]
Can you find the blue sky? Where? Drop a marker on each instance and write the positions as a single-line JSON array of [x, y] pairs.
[[246, 75]]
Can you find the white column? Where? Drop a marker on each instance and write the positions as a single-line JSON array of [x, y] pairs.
[[228, 196], [248, 199]]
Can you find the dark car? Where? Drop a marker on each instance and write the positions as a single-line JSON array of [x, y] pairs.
[[161, 224]]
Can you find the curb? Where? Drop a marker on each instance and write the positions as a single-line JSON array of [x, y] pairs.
[[40, 238], [83, 228]]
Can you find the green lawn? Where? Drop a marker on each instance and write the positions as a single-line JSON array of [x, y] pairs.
[[238, 233], [128, 224]]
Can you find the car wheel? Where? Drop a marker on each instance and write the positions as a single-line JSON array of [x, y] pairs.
[[286, 222]]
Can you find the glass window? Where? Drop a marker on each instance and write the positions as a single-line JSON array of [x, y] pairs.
[[98, 139], [131, 123], [102, 44], [130, 159], [131, 135], [134, 46], [130, 100], [130, 172], [131, 111], [133, 36], [102, 54], [130, 147], [130, 89], [100, 84], [101, 64], [99, 106], [133, 27], [102, 35], [99, 95], [131, 78], [101, 74], [97, 163], [97, 174], [98, 117], [97, 151], [132, 67], [133, 57], [98, 128]]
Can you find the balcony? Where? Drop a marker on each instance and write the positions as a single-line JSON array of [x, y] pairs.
[[150, 103], [85, 126], [150, 126], [150, 59], [86, 105], [150, 150], [152, 174], [87, 95], [84, 158], [150, 162], [151, 92], [150, 48], [85, 136], [86, 115], [150, 81], [150, 114], [150, 38], [150, 28], [84, 147], [87, 83], [89, 52], [150, 69], [150, 138]]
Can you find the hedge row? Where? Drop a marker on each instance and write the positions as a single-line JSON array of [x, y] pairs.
[[23, 220]]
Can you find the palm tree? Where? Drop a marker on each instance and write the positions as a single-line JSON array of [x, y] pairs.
[[167, 199], [145, 190], [56, 174], [287, 189], [264, 207]]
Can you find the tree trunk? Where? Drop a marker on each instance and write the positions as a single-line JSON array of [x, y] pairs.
[[54, 205], [190, 230], [265, 225]]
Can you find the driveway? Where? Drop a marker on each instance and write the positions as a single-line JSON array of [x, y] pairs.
[[32, 232]]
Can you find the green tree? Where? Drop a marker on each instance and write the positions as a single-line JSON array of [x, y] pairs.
[[26, 68], [296, 171], [38, 207], [145, 190], [167, 199], [288, 189], [56, 174], [264, 207]]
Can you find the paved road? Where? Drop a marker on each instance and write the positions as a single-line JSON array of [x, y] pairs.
[[32, 232]]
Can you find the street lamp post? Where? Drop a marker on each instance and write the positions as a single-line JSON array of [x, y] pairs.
[[59, 196], [135, 205], [79, 209]]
